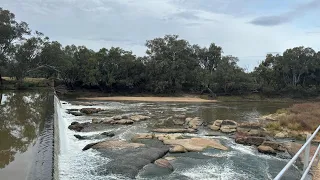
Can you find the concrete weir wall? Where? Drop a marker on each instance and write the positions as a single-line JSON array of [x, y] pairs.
[[56, 153]]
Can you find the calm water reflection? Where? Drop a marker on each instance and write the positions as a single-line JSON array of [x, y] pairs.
[[23, 117]]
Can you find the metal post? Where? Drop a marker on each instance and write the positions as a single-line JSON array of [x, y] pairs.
[[306, 154]]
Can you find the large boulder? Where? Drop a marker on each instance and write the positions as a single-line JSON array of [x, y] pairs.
[[163, 163], [115, 145], [173, 130], [138, 117], [228, 126], [130, 161], [178, 149], [250, 140], [196, 144], [90, 110], [266, 149], [193, 123]]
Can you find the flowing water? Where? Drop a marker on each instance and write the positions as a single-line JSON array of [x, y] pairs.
[[26, 135], [240, 162], [27, 149]]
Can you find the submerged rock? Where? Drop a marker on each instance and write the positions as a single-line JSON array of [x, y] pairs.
[[97, 136], [76, 113], [90, 110], [139, 117], [266, 149], [123, 122], [196, 144], [173, 130]]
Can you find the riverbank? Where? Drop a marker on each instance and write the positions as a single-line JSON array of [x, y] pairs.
[[296, 121], [26, 84]]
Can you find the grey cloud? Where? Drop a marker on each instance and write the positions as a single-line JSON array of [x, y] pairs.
[[286, 17]]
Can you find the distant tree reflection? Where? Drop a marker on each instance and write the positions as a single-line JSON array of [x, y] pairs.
[[22, 116]]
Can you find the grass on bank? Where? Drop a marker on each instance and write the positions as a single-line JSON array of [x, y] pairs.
[[27, 83], [298, 117]]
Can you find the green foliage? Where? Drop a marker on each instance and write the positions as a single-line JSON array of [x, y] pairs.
[[171, 66]]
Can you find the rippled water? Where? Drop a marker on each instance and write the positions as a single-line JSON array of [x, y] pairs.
[[240, 162], [26, 131]]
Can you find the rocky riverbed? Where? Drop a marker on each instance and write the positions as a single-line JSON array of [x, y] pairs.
[[133, 140]]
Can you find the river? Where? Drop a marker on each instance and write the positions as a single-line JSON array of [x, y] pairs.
[[26, 140], [26, 134]]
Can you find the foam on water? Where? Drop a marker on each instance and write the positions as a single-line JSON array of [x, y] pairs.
[[214, 171], [76, 164]]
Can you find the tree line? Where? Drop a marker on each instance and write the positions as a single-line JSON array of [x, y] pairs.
[[171, 65]]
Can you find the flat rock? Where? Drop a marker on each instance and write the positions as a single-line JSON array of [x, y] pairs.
[[227, 129], [266, 149], [196, 144], [170, 158], [117, 117], [173, 130], [162, 137], [116, 145], [139, 117], [177, 149], [143, 136], [102, 121], [129, 162], [123, 121]]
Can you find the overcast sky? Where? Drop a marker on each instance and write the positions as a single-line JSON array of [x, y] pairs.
[[247, 29]]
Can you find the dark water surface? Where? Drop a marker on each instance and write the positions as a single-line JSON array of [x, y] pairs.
[[26, 135]]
